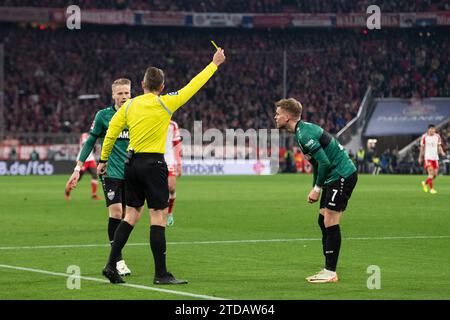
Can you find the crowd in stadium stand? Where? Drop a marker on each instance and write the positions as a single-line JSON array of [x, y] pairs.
[[256, 6], [47, 72]]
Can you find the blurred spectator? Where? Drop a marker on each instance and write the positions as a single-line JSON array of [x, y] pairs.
[[394, 159], [34, 155], [370, 160], [13, 154], [385, 162], [376, 165], [289, 161], [361, 160], [352, 156], [328, 71]]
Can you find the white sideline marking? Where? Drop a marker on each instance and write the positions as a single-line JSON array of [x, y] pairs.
[[180, 293], [222, 242]]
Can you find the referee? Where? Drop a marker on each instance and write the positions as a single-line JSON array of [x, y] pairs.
[[147, 117]]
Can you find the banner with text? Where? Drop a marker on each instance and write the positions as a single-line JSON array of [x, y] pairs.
[[160, 18], [223, 20], [216, 20], [38, 168], [225, 167], [397, 117]]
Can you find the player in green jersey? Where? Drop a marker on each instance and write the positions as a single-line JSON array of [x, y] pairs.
[[114, 183], [335, 176]]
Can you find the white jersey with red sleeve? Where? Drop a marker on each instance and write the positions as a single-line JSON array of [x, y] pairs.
[[431, 144], [173, 137], [83, 139]]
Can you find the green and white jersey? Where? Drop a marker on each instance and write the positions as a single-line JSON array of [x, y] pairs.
[[116, 162], [329, 159]]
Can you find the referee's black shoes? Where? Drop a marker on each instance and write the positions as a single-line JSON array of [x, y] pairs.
[[168, 279], [112, 274]]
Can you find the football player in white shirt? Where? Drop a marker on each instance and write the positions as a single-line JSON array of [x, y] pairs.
[[173, 160], [430, 148], [89, 165]]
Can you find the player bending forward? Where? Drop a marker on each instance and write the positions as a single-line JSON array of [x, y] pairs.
[[173, 160], [334, 176], [430, 148]]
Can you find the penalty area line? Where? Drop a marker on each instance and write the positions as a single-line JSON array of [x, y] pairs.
[[131, 285]]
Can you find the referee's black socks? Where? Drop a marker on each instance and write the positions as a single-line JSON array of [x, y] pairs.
[[332, 247], [113, 223], [120, 238], [158, 246]]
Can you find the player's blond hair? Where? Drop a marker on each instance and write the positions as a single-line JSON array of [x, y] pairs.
[[120, 82], [290, 105]]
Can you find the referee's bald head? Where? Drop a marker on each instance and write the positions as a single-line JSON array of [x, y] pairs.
[[153, 79]]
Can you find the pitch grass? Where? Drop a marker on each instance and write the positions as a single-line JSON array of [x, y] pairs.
[[34, 213]]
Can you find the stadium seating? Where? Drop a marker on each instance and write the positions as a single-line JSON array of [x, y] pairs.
[[328, 72]]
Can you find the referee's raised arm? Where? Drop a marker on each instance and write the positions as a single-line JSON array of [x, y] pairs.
[[175, 100], [146, 175]]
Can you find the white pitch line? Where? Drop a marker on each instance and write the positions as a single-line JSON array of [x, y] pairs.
[[137, 286], [63, 246]]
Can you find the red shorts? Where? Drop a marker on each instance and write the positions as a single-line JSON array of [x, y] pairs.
[[431, 163], [89, 164], [172, 171]]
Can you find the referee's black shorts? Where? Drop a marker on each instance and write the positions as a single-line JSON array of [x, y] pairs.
[[146, 179]]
